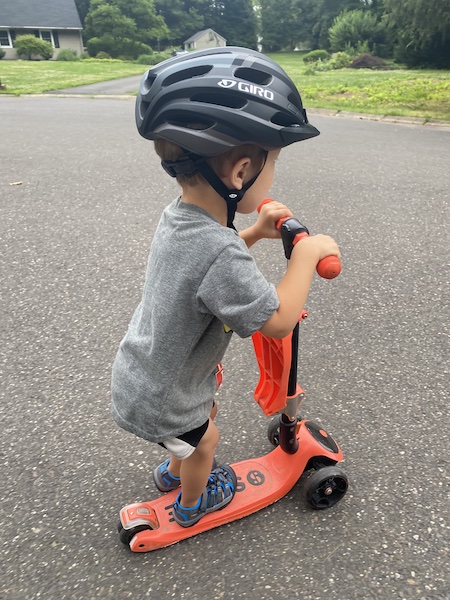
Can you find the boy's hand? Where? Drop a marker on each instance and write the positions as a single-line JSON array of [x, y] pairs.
[[318, 247], [269, 214]]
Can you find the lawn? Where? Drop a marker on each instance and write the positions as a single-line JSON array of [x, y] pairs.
[[38, 77], [401, 92]]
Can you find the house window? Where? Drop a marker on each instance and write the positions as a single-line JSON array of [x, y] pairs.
[[49, 36], [5, 38]]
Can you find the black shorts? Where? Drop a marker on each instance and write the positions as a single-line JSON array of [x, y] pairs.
[[184, 445]]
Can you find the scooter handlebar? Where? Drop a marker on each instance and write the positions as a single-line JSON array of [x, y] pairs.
[[292, 232]]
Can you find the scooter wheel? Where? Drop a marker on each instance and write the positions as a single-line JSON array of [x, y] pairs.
[[273, 431], [126, 535], [325, 487]]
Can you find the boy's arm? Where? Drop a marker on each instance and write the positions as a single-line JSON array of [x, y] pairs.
[[293, 289]]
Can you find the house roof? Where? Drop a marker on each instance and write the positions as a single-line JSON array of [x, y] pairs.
[[199, 34], [36, 14]]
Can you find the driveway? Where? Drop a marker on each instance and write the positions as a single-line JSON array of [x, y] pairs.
[[116, 87], [81, 195]]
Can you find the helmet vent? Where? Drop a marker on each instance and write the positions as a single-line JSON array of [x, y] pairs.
[[282, 119], [228, 100], [253, 75], [201, 123], [186, 74]]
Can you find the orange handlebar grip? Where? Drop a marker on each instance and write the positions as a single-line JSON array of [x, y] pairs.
[[265, 201], [329, 267]]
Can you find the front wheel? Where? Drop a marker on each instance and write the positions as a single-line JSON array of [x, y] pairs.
[[325, 487], [273, 431]]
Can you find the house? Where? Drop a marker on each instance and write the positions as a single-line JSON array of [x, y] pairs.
[[55, 21], [207, 38]]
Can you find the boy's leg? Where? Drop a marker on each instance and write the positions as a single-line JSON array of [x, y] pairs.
[[196, 469], [203, 490], [174, 466]]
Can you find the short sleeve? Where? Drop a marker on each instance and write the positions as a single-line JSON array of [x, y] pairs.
[[236, 292]]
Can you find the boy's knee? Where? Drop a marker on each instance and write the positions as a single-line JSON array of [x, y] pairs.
[[211, 438]]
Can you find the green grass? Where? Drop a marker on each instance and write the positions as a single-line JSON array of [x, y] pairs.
[[38, 77], [400, 92], [410, 93]]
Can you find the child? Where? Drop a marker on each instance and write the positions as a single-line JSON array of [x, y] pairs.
[[219, 118]]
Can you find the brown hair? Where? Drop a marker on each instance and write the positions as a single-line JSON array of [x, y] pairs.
[[171, 152]]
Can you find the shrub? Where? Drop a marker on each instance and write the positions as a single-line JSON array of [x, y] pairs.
[[67, 55], [158, 57], [2, 53], [101, 55], [340, 60], [315, 55], [368, 61], [28, 46], [116, 47], [354, 28], [310, 69], [433, 53], [145, 59]]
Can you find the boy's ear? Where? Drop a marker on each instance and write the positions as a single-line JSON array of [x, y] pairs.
[[239, 172]]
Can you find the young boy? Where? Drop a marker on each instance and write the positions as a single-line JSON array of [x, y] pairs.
[[219, 118]]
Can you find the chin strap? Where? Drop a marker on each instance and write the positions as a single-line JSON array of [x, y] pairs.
[[189, 164]]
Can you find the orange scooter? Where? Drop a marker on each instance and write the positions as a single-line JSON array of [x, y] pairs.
[[300, 445]]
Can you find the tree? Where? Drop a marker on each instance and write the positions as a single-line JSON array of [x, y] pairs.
[[288, 23], [279, 24], [83, 9], [235, 20], [421, 18], [123, 27], [422, 29], [28, 46], [354, 28], [182, 17]]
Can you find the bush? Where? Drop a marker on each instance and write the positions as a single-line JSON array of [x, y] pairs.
[[157, 57], [2, 53], [434, 53], [368, 61], [102, 55], [28, 46], [356, 27], [340, 60], [145, 59], [67, 55], [116, 47], [315, 55]]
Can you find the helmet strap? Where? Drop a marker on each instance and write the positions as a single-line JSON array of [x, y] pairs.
[[231, 196], [191, 163]]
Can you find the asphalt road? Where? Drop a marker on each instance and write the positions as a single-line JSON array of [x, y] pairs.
[[80, 197]]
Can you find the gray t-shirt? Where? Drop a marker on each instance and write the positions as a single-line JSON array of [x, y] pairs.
[[201, 284]]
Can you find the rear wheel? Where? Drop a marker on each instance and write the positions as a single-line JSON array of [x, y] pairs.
[[126, 535]]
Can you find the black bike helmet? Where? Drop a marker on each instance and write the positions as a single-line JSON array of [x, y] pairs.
[[233, 95]]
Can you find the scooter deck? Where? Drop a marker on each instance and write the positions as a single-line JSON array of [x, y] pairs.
[[261, 482]]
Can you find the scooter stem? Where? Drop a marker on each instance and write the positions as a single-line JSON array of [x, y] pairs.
[[288, 434]]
